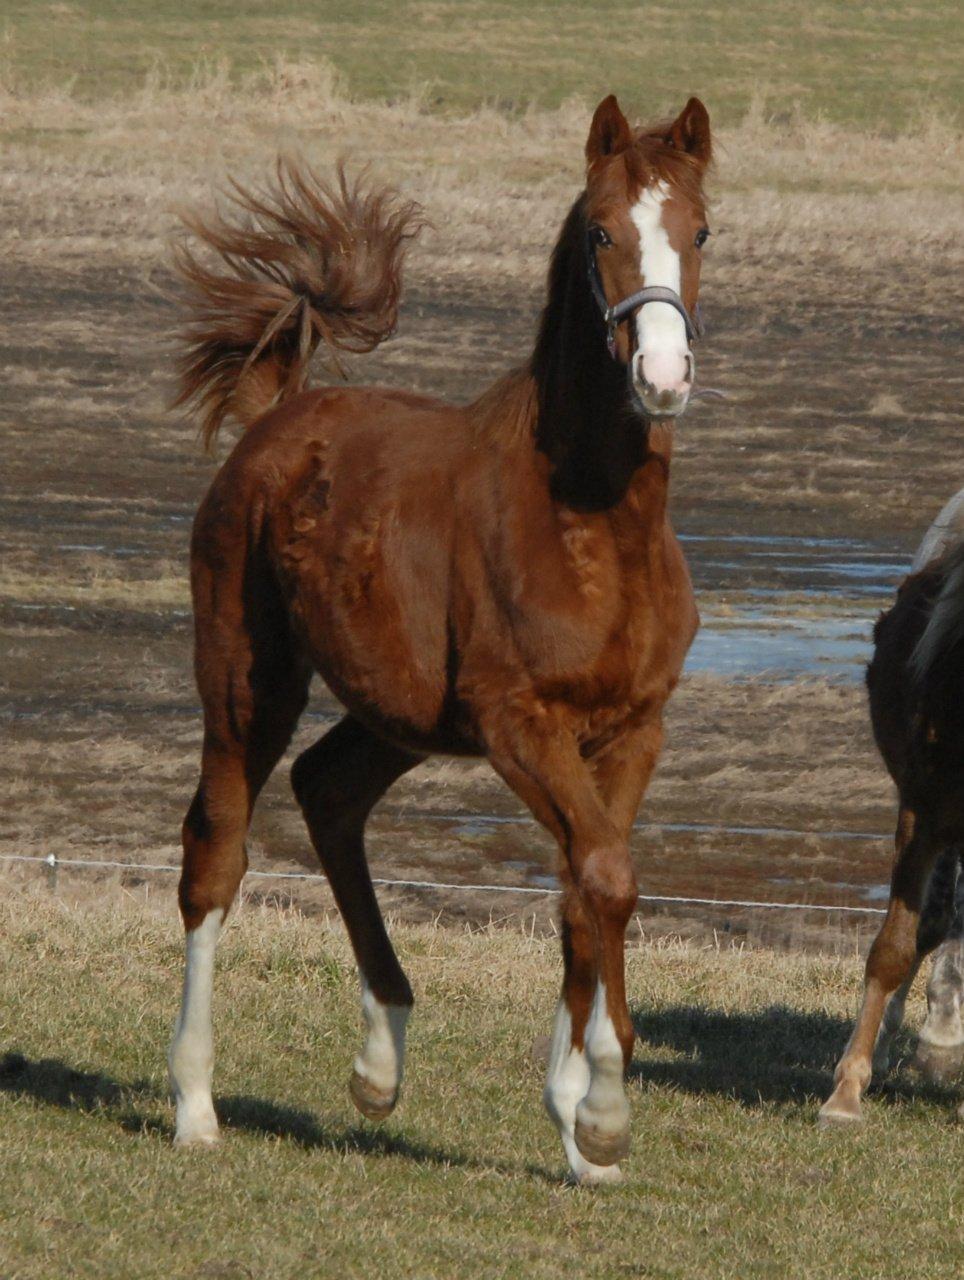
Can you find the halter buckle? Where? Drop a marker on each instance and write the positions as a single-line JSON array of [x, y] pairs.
[[612, 324]]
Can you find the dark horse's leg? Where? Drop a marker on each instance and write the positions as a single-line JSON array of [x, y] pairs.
[[253, 682], [935, 923], [893, 959], [941, 1043], [337, 783]]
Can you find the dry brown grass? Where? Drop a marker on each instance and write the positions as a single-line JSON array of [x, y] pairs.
[[101, 181], [94, 581]]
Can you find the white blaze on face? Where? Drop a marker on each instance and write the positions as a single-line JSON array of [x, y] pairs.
[[191, 1056], [662, 359]]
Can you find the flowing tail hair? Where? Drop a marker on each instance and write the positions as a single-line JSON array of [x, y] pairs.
[[937, 658], [301, 263]]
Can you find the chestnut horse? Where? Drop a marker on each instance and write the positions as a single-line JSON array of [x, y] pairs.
[[916, 687], [498, 580]]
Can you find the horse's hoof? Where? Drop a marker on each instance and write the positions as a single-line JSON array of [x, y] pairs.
[[599, 1147], [938, 1063], [202, 1140], [374, 1104], [592, 1175], [839, 1109]]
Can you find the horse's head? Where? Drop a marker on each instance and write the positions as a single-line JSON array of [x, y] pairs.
[[645, 228]]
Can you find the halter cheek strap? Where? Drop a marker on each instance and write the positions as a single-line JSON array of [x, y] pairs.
[[614, 315]]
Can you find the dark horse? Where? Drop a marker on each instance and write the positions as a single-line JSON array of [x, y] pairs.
[[916, 686], [498, 580]]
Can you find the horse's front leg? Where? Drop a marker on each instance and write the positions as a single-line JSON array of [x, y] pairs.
[[593, 1034], [937, 916]]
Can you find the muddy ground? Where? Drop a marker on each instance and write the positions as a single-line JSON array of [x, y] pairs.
[[801, 500]]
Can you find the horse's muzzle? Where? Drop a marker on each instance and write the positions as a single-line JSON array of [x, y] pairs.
[[666, 398]]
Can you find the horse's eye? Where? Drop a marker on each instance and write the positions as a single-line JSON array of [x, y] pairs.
[[702, 236], [600, 236]]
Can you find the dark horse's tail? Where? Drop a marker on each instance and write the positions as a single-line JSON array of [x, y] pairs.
[[300, 263]]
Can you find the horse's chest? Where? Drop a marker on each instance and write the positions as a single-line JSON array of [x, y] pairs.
[[629, 655]]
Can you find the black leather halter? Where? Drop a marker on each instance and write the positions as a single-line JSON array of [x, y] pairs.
[[614, 315]]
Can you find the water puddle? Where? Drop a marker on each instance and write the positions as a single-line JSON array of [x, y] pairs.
[[824, 627], [782, 648], [807, 566]]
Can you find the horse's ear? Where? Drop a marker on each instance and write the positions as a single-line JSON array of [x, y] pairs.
[[609, 132], [690, 132]]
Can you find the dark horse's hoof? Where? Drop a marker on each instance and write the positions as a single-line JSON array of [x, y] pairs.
[[939, 1063], [374, 1104]]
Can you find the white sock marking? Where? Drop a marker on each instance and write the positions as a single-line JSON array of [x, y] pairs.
[[191, 1055], [605, 1099], [567, 1081], [660, 331], [382, 1058]]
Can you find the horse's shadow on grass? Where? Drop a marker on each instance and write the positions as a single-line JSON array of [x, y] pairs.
[[775, 1055], [132, 1106]]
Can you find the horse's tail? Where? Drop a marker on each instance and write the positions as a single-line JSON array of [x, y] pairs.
[[302, 262], [943, 637]]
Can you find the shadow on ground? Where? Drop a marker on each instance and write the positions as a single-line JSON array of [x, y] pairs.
[[132, 1107], [774, 1055]]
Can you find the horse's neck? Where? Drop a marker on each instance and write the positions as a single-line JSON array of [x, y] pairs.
[[643, 510], [602, 456], [595, 442]]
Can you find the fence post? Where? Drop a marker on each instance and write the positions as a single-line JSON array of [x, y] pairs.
[[51, 863]]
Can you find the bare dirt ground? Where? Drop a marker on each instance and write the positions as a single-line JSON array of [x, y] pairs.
[[832, 324]]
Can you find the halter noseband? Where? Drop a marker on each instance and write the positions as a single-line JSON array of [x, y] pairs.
[[614, 315]]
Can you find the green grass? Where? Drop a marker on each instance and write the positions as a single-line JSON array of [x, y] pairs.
[[728, 1175], [871, 65]]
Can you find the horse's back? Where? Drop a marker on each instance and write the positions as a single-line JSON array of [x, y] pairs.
[[946, 532]]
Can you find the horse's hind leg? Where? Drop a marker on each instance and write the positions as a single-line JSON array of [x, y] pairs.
[[337, 782], [941, 1042], [253, 684], [892, 961]]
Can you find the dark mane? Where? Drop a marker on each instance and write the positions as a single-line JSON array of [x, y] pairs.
[[581, 394]]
